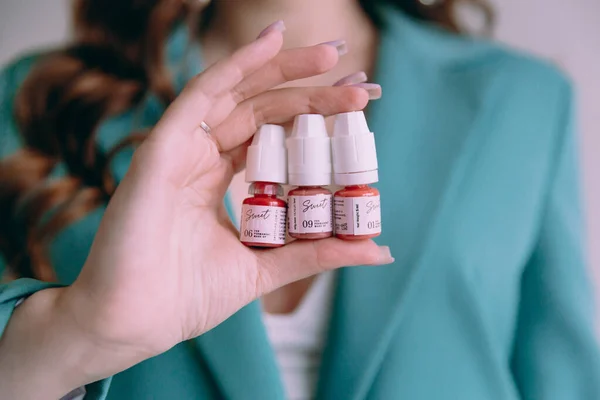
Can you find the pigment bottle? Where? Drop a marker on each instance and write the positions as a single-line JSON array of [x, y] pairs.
[[309, 168], [357, 210], [264, 214]]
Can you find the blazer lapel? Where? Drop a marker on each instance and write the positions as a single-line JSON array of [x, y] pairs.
[[425, 130], [240, 358]]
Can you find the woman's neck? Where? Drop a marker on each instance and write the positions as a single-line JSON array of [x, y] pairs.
[[308, 22]]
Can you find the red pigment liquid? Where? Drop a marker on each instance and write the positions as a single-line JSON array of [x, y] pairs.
[[357, 191], [311, 191], [265, 194]]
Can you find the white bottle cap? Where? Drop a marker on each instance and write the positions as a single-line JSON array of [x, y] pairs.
[[354, 153], [309, 152], [266, 159]]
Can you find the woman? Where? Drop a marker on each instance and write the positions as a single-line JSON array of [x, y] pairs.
[[487, 297]]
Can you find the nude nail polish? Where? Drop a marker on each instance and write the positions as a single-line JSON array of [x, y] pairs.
[[309, 166], [340, 46], [373, 89], [385, 256], [275, 26], [352, 79], [356, 207], [264, 214]]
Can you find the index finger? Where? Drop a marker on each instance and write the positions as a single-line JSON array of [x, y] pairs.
[[190, 108]]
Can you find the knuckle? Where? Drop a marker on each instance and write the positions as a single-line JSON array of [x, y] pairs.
[[312, 104], [234, 70], [195, 88], [257, 117], [239, 93], [285, 73]]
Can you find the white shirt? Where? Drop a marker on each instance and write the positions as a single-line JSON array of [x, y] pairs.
[[298, 339]]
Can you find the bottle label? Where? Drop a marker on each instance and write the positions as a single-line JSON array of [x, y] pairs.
[[310, 214], [357, 215], [262, 224]]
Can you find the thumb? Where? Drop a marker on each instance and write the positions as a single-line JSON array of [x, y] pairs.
[[301, 259]]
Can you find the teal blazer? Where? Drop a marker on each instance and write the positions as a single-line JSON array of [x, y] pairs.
[[489, 296]]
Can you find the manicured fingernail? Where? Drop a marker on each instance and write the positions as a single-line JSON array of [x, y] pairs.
[[340, 46], [352, 79], [275, 26], [373, 89], [385, 256]]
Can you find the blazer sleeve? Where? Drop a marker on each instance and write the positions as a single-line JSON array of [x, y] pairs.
[[11, 294], [556, 354]]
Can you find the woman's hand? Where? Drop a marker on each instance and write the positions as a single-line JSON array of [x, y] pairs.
[[166, 264]]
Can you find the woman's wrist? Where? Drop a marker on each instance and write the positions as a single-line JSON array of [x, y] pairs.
[[43, 354]]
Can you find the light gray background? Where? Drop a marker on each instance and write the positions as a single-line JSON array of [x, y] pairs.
[[566, 32]]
